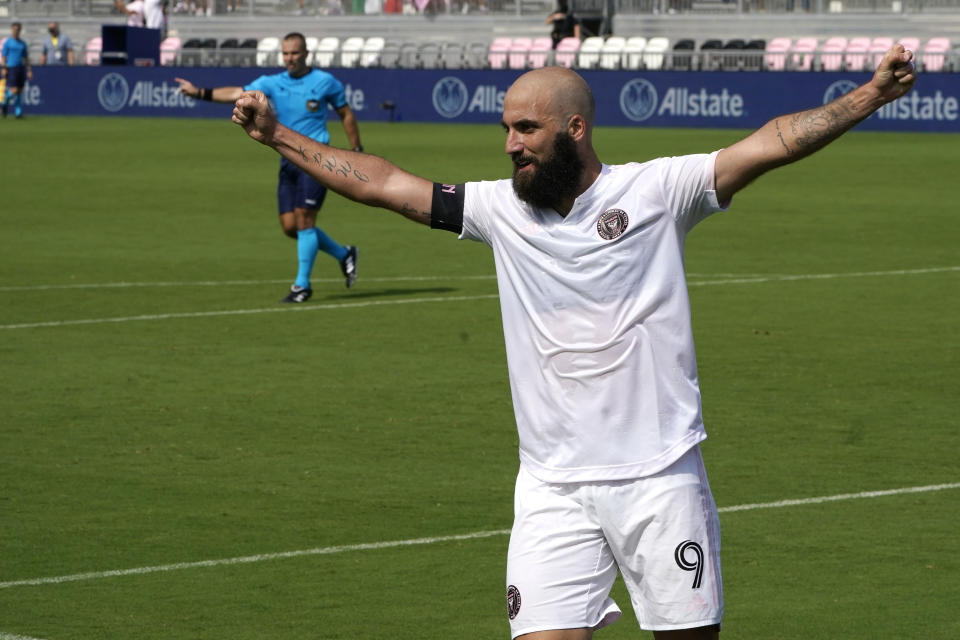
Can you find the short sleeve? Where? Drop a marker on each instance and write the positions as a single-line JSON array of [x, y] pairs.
[[477, 200], [260, 84], [689, 188]]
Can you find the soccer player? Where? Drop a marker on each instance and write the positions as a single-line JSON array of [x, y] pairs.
[[596, 320], [300, 96], [15, 60]]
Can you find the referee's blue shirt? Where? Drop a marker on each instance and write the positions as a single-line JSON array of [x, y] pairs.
[[14, 52], [301, 103]]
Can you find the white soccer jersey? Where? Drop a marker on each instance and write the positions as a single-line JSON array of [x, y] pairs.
[[596, 317]]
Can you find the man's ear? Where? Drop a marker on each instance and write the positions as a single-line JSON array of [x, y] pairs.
[[577, 126]]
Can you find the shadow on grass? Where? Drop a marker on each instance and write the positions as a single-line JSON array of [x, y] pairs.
[[383, 293]]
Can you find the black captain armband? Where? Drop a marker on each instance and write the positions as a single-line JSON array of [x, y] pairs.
[[446, 209]]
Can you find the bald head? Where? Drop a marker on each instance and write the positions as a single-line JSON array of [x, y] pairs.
[[557, 91]]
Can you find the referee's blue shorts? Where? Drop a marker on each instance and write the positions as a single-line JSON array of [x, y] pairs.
[[16, 77], [296, 189]]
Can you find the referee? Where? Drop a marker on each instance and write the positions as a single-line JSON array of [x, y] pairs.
[[300, 96], [15, 60]]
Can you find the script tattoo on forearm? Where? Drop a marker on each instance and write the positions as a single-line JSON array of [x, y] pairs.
[[329, 163], [414, 214]]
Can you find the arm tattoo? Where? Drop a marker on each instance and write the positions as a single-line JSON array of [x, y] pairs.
[[303, 154], [786, 147], [329, 163], [815, 128], [411, 212]]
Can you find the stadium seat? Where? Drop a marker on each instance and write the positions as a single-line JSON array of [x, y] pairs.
[[710, 56], [540, 50], [519, 49], [589, 55], [565, 54], [775, 56], [732, 57], [350, 51], [389, 55], [935, 53], [654, 51], [831, 58], [611, 54], [428, 55], [497, 52], [451, 55], [475, 55], [633, 52], [802, 54], [191, 55], [228, 52], [753, 54], [323, 51], [169, 49], [92, 50], [268, 52], [855, 54], [878, 47], [372, 48], [409, 55], [913, 44], [682, 55]]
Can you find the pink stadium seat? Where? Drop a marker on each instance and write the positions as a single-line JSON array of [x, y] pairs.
[[878, 47], [855, 54], [831, 58], [92, 50], [498, 52], [519, 49], [804, 50], [775, 57], [910, 43], [539, 52], [168, 50], [566, 52], [934, 53]]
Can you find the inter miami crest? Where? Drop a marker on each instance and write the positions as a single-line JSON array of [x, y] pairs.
[[612, 223], [513, 601]]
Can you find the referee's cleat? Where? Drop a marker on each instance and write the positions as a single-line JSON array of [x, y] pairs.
[[298, 294], [349, 265]]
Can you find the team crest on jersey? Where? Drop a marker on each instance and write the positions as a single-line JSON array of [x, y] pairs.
[[513, 601], [612, 223], [313, 105]]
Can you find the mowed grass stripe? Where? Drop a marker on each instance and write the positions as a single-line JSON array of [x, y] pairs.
[[371, 546]]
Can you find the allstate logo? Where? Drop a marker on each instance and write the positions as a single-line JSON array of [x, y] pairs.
[[450, 97], [638, 99], [113, 92], [837, 89]]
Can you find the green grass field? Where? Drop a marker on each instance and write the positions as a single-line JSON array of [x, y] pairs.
[[182, 457]]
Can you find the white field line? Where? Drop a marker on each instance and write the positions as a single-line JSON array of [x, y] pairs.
[[233, 283], [371, 546], [245, 312], [740, 279], [11, 636]]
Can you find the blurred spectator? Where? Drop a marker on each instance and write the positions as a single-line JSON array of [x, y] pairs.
[[57, 48], [565, 24], [143, 13]]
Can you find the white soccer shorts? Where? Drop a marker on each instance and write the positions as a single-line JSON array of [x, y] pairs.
[[569, 540]]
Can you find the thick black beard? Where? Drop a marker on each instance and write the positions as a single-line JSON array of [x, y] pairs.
[[553, 180]]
